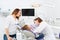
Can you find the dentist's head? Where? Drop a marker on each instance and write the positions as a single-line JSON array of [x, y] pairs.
[[37, 20], [16, 13]]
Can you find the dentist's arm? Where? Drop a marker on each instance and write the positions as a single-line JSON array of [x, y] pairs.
[[7, 34], [7, 28], [41, 27]]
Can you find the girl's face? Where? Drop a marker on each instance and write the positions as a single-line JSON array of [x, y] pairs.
[[28, 27]]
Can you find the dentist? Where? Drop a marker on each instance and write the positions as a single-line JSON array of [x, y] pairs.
[[46, 30], [11, 21]]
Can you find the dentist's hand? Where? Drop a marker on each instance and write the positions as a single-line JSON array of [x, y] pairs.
[[9, 38]]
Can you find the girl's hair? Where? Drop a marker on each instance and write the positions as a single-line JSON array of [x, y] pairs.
[[25, 27]]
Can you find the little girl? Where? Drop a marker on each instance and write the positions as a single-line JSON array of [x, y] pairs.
[[26, 27]]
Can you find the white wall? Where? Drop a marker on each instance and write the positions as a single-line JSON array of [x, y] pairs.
[[47, 6]]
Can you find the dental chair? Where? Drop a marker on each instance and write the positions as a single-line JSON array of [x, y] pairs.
[[29, 35], [25, 35]]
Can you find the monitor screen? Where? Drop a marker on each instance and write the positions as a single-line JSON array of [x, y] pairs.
[[28, 12]]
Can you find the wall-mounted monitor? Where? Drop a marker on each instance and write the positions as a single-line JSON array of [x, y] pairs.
[[28, 12]]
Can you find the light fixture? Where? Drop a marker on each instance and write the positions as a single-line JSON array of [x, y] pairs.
[[36, 5]]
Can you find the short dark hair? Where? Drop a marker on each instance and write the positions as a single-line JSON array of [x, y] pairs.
[[39, 19]]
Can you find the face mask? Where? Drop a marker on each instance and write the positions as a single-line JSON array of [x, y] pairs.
[[36, 24]]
